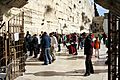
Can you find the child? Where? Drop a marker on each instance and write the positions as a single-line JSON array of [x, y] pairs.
[[96, 47]]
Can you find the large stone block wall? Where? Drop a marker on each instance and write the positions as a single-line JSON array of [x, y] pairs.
[[57, 15]]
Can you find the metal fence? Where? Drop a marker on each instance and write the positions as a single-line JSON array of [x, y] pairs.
[[11, 49], [113, 49]]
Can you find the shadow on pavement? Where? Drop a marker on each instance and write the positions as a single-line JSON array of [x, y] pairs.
[[69, 73], [33, 60], [99, 63], [75, 57], [54, 73], [101, 71], [63, 54], [33, 64], [95, 71]]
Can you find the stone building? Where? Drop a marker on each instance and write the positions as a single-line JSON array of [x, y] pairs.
[[105, 23], [113, 37], [63, 16], [97, 25]]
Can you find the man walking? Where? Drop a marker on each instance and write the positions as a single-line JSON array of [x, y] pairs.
[[54, 44], [45, 44]]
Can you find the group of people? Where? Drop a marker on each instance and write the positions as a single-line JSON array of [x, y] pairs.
[[87, 41], [46, 45], [89, 45]]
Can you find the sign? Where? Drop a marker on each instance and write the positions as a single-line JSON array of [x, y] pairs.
[[16, 36]]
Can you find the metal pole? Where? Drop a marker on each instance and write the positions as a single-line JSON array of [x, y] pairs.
[[109, 41], [118, 51]]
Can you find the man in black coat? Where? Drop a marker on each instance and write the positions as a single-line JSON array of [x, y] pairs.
[[35, 45], [88, 51]]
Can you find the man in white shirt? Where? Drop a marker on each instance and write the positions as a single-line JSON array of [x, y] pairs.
[[39, 42], [54, 44]]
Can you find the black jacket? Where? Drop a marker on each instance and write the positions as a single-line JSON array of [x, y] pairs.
[[88, 48]]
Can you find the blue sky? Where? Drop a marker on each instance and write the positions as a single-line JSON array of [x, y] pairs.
[[100, 9]]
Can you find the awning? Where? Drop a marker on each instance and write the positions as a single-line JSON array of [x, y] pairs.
[[6, 5], [112, 5], [13, 3]]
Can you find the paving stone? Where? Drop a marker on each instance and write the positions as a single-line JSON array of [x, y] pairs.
[[66, 67]]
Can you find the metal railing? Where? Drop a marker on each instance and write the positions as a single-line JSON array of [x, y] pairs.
[[113, 47]]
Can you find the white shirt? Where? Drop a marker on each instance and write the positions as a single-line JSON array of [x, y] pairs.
[[54, 41], [39, 40]]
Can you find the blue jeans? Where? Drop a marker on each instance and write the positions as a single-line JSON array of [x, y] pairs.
[[47, 56]]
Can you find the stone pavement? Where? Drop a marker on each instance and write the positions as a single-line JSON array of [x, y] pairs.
[[66, 67]]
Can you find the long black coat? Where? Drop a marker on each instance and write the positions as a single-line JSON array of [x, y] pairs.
[[88, 47], [35, 42]]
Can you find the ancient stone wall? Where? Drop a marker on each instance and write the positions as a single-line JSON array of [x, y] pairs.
[[57, 15]]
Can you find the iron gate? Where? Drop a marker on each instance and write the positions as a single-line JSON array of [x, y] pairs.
[[113, 49], [3, 53], [16, 40], [12, 39]]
